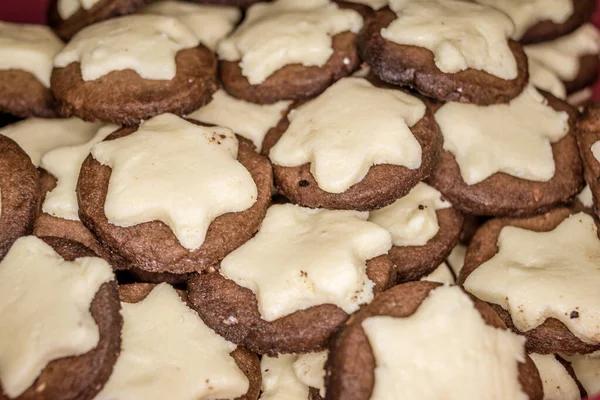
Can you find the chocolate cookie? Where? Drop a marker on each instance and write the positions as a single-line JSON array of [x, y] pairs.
[[521, 197], [415, 67], [246, 361], [588, 134], [19, 191], [232, 311], [81, 377], [120, 94], [351, 364], [552, 335], [27, 52], [583, 10], [70, 22], [380, 186], [152, 246], [292, 81]]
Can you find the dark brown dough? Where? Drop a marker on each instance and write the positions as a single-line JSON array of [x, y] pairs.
[[125, 98], [415, 67], [350, 368], [552, 336], [100, 11], [152, 246], [505, 195], [23, 95], [20, 191], [81, 377], [232, 311], [247, 361]]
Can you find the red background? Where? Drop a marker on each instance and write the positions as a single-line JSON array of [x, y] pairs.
[[34, 11]]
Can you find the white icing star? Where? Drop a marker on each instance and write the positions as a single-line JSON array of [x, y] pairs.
[[303, 257], [173, 171], [541, 275]]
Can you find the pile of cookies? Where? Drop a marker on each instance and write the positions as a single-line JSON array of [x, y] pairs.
[[300, 200]]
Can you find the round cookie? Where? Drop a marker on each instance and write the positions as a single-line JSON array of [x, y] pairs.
[[75, 376], [68, 17], [152, 245], [19, 193], [265, 75], [27, 52], [541, 20], [378, 160], [129, 84], [588, 137], [530, 184], [573, 58], [300, 376], [292, 285], [351, 367], [424, 229], [416, 67], [218, 369], [552, 331]]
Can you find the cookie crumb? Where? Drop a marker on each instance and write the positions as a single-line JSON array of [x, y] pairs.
[[574, 314], [303, 183], [421, 207]]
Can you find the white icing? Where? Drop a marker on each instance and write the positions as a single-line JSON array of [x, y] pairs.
[[249, 120], [541, 275], [413, 355], [556, 380], [64, 164], [167, 352], [173, 171], [412, 219], [374, 4], [585, 197], [513, 138], [310, 370], [562, 55], [544, 78], [285, 32], [68, 8], [596, 150], [30, 48], [527, 13], [44, 310], [290, 376], [303, 257], [37, 136], [210, 23], [279, 380], [442, 274], [456, 259], [587, 370], [350, 127], [146, 44], [460, 34]]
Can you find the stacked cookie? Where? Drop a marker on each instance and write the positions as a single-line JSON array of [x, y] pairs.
[[208, 202]]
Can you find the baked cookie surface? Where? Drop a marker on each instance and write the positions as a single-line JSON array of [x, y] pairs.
[[565, 325], [163, 229], [535, 166], [69, 298], [395, 49], [364, 365], [128, 83]]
